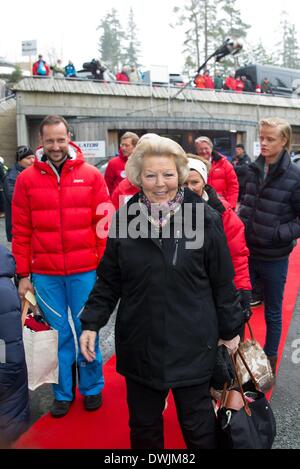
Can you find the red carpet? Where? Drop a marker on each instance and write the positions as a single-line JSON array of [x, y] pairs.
[[108, 427]]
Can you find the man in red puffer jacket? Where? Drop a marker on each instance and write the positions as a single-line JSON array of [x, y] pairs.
[[58, 240], [115, 171]]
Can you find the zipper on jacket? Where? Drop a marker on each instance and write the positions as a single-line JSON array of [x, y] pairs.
[[176, 248]]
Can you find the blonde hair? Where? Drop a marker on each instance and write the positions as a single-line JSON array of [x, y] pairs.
[[206, 140], [154, 145], [196, 157], [283, 126], [134, 137]]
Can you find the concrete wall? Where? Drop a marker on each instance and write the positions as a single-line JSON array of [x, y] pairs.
[[8, 131], [100, 111]]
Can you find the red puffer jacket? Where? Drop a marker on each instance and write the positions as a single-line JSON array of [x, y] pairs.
[[122, 193], [223, 179], [115, 171], [235, 235], [55, 220]]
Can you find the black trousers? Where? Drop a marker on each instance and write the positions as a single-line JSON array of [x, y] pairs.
[[194, 411]]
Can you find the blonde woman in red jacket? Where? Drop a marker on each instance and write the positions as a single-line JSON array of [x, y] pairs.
[[222, 176]]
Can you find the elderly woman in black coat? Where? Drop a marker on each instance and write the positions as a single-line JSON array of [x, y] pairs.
[[14, 399], [168, 262]]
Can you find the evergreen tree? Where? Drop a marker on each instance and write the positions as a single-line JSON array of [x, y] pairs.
[[198, 17], [289, 47], [132, 51], [258, 54], [16, 75], [111, 40]]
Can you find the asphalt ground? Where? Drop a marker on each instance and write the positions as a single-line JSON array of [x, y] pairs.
[[285, 400]]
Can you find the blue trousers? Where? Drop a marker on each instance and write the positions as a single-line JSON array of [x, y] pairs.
[[56, 296], [272, 275]]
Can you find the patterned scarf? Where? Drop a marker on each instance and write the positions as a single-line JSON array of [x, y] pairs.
[[160, 214]]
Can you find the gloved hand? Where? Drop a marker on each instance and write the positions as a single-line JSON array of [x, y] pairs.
[[245, 299], [213, 199]]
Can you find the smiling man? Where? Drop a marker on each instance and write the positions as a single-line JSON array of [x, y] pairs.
[[54, 241]]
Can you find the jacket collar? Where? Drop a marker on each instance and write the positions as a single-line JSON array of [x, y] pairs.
[[216, 156], [75, 158], [278, 168]]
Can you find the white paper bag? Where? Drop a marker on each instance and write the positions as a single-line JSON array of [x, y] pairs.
[[41, 357]]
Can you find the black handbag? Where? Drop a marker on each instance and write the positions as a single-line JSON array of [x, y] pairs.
[[245, 418]]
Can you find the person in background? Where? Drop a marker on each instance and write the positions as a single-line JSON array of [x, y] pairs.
[[248, 88], [240, 85], [14, 397], [222, 176], [230, 82], [123, 76], [58, 70], [70, 70], [57, 205], [241, 163], [115, 171], [133, 74], [40, 68], [233, 228], [199, 81], [209, 83], [218, 80], [24, 159], [176, 304], [270, 210], [266, 86]]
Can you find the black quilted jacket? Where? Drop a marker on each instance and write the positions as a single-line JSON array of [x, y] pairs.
[[270, 209]]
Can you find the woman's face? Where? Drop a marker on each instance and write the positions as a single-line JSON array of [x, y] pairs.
[[195, 182], [204, 149], [271, 143], [159, 178]]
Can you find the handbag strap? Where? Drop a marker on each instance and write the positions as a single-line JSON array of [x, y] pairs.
[[224, 394], [25, 308], [250, 330]]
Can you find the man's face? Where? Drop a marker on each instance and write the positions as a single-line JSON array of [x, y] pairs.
[[204, 150], [239, 152], [271, 143], [55, 140], [27, 161], [127, 147]]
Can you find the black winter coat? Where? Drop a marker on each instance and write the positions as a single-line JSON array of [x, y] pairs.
[[270, 209], [14, 399], [9, 186], [241, 167], [175, 303]]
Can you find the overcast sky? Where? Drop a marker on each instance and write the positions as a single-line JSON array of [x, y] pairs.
[[70, 27]]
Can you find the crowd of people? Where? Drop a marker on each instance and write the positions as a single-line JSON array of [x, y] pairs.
[[181, 283], [232, 82], [131, 74]]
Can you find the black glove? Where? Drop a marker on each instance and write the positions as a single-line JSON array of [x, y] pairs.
[[245, 299], [213, 199]]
